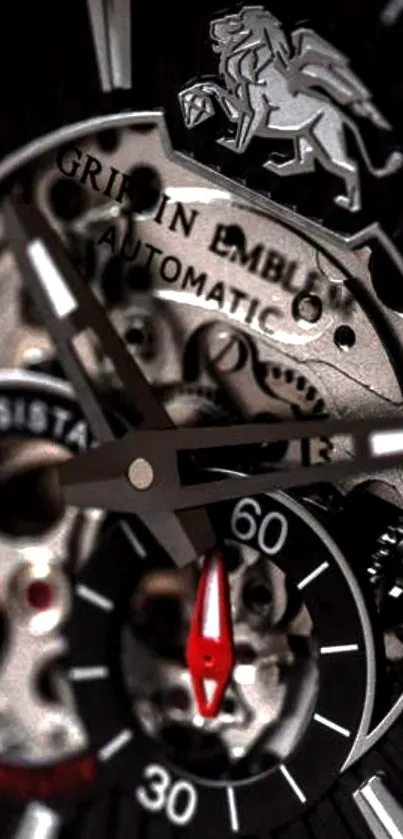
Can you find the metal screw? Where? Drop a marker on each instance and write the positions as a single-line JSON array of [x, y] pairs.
[[141, 473], [224, 348]]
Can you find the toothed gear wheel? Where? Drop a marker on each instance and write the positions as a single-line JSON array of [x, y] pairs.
[[291, 387], [386, 577], [388, 553], [293, 390]]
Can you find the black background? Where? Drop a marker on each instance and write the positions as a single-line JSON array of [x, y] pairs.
[[49, 78]]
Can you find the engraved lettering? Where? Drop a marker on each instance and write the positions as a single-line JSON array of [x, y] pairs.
[[111, 182], [124, 187], [249, 260], [5, 414], [237, 297], [288, 276], [78, 436], [170, 274], [219, 238], [264, 315], [92, 168], [268, 263], [152, 252], [71, 172], [217, 294], [94, 173], [161, 209], [19, 413], [185, 221], [196, 283], [37, 417], [253, 307], [61, 418], [125, 252], [274, 266]]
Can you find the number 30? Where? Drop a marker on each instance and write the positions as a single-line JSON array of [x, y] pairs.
[[178, 798]]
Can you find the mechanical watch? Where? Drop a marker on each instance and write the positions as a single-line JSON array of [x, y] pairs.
[[201, 420]]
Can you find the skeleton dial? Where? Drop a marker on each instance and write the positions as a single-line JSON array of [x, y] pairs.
[[200, 403]]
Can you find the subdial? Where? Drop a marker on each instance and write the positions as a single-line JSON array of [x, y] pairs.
[[267, 661], [296, 689]]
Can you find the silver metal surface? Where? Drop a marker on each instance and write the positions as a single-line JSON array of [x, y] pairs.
[[290, 342], [284, 98], [141, 473], [359, 381], [34, 727], [382, 813], [111, 31], [256, 693], [222, 184]]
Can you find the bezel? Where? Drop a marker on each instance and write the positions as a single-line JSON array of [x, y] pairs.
[[333, 241], [355, 29], [346, 681]]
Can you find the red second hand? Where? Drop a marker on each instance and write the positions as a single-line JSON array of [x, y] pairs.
[[209, 651]]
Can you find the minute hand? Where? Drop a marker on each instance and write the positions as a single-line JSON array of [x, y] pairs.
[[99, 477], [68, 308]]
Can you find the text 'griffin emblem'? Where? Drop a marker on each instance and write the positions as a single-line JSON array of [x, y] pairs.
[[281, 88]]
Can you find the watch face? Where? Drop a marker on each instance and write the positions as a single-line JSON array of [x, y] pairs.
[[201, 434]]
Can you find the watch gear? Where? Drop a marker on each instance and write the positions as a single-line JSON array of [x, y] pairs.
[[201, 262]]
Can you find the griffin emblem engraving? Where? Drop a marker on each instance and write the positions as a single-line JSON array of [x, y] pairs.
[[279, 87]]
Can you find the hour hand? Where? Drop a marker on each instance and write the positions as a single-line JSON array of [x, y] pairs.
[[69, 308], [66, 306], [140, 472]]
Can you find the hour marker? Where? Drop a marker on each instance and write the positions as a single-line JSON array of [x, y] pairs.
[[340, 648], [333, 725], [382, 813], [111, 31], [58, 294], [115, 745], [233, 811], [386, 442], [293, 784], [312, 576], [94, 597], [392, 11], [211, 613], [134, 541], [38, 822], [88, 674]]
